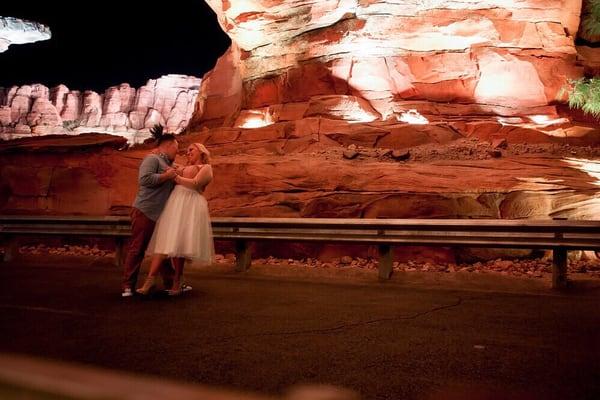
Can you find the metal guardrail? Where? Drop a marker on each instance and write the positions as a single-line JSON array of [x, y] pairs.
[[556, 235]]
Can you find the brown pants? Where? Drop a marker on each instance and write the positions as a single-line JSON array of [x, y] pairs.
[[141, 232]]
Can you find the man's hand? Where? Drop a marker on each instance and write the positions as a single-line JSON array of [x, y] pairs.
[[170, 173]]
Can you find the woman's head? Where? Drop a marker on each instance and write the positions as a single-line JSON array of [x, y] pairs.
[[197, 153]]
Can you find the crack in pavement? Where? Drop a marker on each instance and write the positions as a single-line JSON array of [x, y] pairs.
[[458, 302]]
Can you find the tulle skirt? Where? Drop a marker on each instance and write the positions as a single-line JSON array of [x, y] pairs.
[[184, 229]]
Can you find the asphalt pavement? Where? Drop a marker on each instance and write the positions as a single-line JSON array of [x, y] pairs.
[[265, 332]]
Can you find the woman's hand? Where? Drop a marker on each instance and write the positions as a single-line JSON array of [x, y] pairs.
[[178, 168]]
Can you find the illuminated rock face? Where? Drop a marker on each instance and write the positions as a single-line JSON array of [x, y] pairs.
[[305, 81], [494, 57], [87, 174], [18, 31], [120, 110]]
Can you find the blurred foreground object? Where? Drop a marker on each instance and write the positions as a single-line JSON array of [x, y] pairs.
[[36, 379]]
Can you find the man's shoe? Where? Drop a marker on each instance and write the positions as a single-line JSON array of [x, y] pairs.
[[127, 292]]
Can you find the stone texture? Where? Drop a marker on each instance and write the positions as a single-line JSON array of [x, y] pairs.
[[590, 58], [296, 169], [43, 112], [302, 184], [19, 31], [87, 175], [504, 58], [120, 110], [59, 97]]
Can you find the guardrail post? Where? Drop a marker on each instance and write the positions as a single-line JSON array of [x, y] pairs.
[[11, 249], [242, 255], [385, 261], [559, 268]]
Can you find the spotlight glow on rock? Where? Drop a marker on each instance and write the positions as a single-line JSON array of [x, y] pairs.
[[412, 117], [547, 120], [590, 167], [18, 31], [250, 119]]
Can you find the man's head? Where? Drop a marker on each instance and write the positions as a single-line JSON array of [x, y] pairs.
[[168, 144]]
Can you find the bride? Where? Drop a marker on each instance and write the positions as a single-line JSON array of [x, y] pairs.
[[183, 230]]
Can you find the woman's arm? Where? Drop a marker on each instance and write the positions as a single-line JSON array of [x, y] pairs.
[[202, 178]]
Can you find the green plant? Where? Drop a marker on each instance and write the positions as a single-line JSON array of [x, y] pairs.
[[584, 93], [70, 125], [590, 21]]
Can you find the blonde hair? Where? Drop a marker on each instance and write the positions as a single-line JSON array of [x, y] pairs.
[[204, 153]]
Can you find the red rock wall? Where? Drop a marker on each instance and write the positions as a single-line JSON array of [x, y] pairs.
[[505, 57], [88, 175]]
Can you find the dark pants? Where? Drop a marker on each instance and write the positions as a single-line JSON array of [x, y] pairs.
[[141, 232]]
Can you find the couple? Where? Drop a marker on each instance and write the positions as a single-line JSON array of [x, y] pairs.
[[169, 218]]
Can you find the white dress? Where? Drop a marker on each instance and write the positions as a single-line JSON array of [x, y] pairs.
[[184, 228]]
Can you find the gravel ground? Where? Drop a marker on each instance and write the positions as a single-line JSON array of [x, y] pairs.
[[579, 262], [534, 268]]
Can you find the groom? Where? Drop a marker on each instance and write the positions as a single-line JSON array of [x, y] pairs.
[[156, 180]]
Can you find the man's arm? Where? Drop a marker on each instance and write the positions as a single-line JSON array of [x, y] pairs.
[[149, 175]]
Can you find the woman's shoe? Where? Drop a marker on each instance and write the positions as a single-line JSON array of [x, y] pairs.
[[176, 292], [149, 284], [186, 288]]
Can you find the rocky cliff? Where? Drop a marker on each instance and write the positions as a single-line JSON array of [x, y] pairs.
[[362, 108], [121, 110], [369, 60], [18, 31]]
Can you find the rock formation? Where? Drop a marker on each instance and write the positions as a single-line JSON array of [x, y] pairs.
[[309, 179], [368, 60], [18, 31], [87, 174], [357, 108], [120, 110]]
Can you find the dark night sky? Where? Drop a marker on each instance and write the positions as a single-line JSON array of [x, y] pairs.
[[99, 44]]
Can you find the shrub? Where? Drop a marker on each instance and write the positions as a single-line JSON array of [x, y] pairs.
[[584, 93], [590, 21], [72, 124]]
